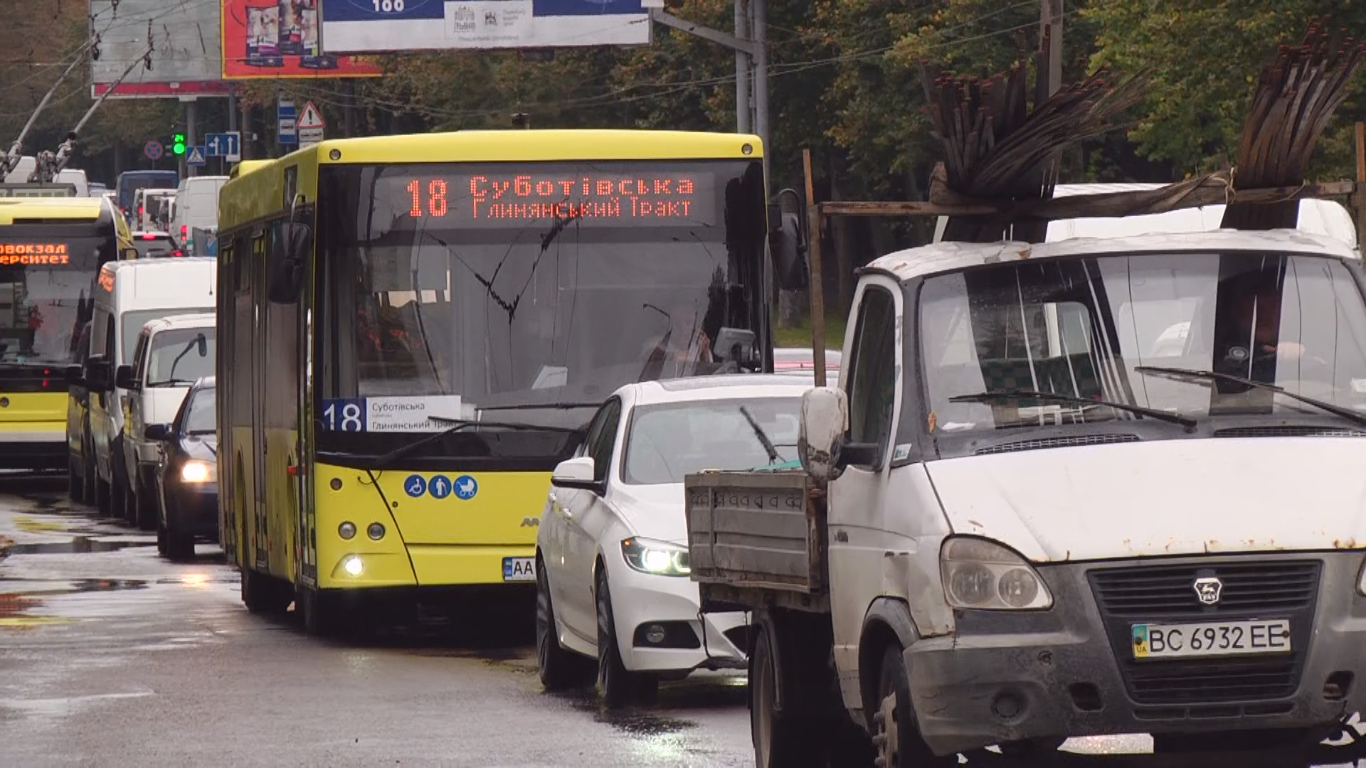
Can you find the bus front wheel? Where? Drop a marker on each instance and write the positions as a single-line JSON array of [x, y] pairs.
[[323, 613]]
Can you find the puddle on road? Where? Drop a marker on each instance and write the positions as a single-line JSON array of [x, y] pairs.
[[636, 722]]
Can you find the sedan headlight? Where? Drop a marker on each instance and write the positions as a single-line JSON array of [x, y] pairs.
[[983, 575], [655, 557], [196, 471]]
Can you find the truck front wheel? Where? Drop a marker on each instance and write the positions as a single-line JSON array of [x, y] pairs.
[[896, 734]]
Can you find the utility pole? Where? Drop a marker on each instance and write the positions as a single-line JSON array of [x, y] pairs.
[[1050, 21], [742, 69], [759, 26], [191, 137]]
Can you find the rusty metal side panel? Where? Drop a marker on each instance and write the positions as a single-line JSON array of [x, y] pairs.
[[752, 529]]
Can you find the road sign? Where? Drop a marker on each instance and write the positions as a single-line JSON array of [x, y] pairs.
[[153, 150], [195, 155], [225, 145], [285, 115], [311, 125]]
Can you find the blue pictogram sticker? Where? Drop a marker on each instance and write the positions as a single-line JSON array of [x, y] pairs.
[[415, 485], [439, 487], [466, 487]]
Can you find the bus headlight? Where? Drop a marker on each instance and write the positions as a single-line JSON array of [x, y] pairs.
[[655, 557], [352, 565], [983, 575], [195, 471]]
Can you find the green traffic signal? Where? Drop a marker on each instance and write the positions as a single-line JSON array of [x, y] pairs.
[[178, 144]]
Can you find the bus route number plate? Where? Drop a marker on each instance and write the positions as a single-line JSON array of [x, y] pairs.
[[519, 569]]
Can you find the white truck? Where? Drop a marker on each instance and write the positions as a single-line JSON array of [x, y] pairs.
[[1032, 510]]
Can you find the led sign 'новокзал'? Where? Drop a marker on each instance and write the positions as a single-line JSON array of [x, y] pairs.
[[660, 199]]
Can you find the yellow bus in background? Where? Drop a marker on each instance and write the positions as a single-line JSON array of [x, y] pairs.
[[414, 330], [51, 250]]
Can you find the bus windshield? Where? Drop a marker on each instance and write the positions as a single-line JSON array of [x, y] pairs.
[[539, 288], [46, 282]]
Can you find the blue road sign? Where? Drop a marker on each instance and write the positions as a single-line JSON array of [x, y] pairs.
[[225, 145], [153, 150], [287, 117], [195, 155], [415, 485], [466, 487]]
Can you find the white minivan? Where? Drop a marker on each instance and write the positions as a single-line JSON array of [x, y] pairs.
[[128, 294], [196, 207], [171, 354]]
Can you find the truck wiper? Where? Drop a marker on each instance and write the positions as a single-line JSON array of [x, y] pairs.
[[773, 456], [1191, 373], [172, 382], [1026, 394], [460, 425]]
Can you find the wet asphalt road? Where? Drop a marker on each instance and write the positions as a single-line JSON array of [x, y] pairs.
[[111, 656]]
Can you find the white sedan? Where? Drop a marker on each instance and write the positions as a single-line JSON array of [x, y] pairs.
[[612, 551]]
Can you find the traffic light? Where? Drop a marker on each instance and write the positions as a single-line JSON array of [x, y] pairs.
[[178, 144]]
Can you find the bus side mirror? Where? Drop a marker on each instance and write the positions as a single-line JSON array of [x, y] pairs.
[[287, 264], [787, 248]]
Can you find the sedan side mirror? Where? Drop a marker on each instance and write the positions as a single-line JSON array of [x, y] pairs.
[[576, 473], [157, 432], [825, 420], [125, 378]]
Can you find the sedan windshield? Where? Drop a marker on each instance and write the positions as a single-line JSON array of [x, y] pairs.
[[1112, 328], [668, 441], [199, 413]]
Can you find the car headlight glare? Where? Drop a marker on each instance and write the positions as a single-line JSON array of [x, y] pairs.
[[983, 575], [195, 471], [655, 557]]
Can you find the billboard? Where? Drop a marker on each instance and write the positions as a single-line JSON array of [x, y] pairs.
[[378, 26], [272, 39], [186, 57]]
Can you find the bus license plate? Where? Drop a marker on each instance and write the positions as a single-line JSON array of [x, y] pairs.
[[519, 569], [1213, 638]]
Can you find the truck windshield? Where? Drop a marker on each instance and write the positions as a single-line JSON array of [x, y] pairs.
[[540, 288], [1080, 328], [666, 442], [133, 322], [46, 282], [176, 356]]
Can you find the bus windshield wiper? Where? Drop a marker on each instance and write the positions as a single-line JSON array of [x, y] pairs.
[[460, 425], [1191, 373], [531, 407], [1027, 394], [773, 457]]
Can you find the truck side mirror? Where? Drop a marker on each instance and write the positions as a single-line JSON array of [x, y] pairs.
[[97, 374], [787, 248], [73, 375], [125, 378], [825, 420]]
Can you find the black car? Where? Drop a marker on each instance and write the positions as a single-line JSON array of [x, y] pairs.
[[187, 474]]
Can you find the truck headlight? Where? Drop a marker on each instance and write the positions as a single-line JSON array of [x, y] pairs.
[[195, 471], [655, 557], [983, 575]]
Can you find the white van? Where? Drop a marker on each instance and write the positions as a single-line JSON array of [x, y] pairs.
[[1317, 216], [129, 294], [196, 207], [170, 355], [146, 203]]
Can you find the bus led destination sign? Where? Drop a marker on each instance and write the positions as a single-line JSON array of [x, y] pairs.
[[32, 254], [643, 198]]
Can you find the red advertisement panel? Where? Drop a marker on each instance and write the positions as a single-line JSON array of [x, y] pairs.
[[272, 39]]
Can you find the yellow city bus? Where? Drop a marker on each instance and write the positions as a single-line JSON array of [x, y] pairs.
[[51, 250], [414, 330]]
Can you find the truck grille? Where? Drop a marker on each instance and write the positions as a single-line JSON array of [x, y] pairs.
[[1166, 593]]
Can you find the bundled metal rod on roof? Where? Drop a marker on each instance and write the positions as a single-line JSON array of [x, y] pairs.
[[1296, 96], [996, 147]]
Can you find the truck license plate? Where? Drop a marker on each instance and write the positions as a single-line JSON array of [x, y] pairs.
[[519, 569], [1214, 638]]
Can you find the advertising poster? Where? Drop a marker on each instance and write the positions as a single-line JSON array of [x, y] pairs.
[[185, 53], [270, 39], [378, 26]]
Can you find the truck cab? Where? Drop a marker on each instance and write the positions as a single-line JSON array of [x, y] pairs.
[[1088, 487]]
